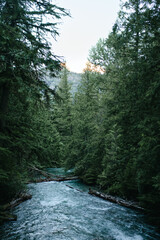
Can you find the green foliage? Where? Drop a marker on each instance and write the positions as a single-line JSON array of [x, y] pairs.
[[27, 132], [109, 130], [63, 115], [86, 140], [116, 141]]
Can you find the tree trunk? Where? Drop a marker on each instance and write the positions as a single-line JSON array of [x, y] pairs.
[[117, 200], [56, 179], [4, 105], [50, 177], [5, 215]]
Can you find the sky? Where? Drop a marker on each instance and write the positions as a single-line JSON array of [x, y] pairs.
[[90, 20]]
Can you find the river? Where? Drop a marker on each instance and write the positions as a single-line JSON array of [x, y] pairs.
[[58, 212]]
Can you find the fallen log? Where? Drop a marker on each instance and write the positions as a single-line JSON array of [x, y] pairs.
[[59, 179], [23, 197], [50, 176], [122, 202], [66, 178], [5, 215], [43, 173], [74, 188]]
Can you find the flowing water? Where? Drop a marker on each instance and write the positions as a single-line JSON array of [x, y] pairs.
[[59, 212]]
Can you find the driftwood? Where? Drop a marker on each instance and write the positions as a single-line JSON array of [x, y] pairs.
[[5, 215], [57, 179], [46, 174], [50, 177], [23, 197], [122, 202], [43, 173], [74, 188]]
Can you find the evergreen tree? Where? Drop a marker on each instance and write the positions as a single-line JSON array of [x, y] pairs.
[[26, 131], [85, 148], [25, 51], [63, 114], [130, 103]]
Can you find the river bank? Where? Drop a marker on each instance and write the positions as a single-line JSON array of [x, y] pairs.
[[46, 176], [64, 210], [57, 211]]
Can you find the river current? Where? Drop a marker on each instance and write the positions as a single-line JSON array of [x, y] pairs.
[[58, 212]]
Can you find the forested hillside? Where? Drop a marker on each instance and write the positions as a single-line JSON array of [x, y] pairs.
[[115, 117], [107, 128], [27, 132], [72, 77]]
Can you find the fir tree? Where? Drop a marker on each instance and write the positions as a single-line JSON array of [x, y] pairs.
[[27, 134]]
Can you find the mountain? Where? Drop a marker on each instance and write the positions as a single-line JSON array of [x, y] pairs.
[[73, 79]]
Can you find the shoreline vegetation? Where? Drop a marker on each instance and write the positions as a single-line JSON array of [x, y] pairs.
[[117, 200], [52, 177], [5, 210], [108, 129]]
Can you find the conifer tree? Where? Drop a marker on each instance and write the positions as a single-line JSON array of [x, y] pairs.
[[86, 144], [63, 114], [24, 50], [130, 59], [26, 130]]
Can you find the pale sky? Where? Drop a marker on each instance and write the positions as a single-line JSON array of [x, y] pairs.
[[91, 20]]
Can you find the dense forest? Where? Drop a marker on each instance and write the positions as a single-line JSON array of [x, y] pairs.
[[28, 134], [109, 130]]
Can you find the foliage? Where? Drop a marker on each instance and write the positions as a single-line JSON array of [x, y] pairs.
[[109, 130], [116, 140], [27, 133], [63, 115]]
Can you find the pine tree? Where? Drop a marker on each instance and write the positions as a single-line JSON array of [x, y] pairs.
[[132, 68], [27, 134], [24, 50], [63, 114], [86, 145]]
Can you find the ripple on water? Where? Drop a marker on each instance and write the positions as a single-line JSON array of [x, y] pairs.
[[57, 212]]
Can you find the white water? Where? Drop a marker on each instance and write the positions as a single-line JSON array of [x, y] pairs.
[[60, 213]]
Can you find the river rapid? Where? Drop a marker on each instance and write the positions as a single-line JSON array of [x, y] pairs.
[[58, 212]]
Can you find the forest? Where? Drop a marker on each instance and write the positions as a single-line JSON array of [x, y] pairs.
[[108, 131]]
